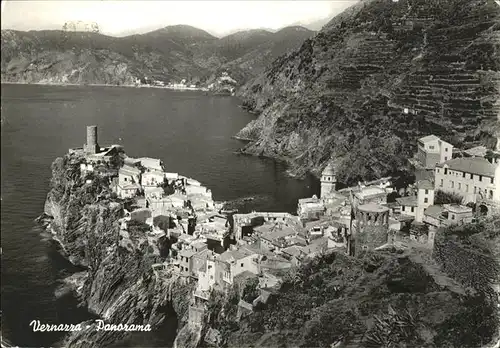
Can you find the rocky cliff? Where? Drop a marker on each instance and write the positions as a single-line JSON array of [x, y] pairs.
[[373, 80], [120, 286]]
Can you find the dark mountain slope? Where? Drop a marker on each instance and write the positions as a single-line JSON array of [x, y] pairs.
[[80, 57], [343, 92], [171, 53]]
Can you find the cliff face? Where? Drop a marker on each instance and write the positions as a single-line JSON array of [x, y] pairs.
[[120, 286], [344, 92]]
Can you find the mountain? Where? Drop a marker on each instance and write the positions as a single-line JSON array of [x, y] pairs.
[[170, 53], [342, 95], [256, 50]]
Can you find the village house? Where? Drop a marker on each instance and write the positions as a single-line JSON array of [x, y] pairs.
[[315, 248], [185, 259], [293, 254], [415, 205], [152, 178], [432, 151], [153, 193], [151, 164], [310, 208], [128, 182], [238, 261], [200, 260], [86, 167], [447, 214], [473, 178]]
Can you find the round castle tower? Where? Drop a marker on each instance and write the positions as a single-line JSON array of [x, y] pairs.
[[91, 146], [370, 228], [328, 181]]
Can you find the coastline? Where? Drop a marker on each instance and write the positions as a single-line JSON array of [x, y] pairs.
[[59, 84]]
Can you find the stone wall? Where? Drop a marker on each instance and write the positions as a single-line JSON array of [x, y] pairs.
[[468, 263]]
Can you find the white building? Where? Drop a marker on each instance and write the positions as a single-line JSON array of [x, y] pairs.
[[152, 178], [473, 178], [448, 214], [86, 167], [238, 261], [432, 150], [128, 182], [151, 163]]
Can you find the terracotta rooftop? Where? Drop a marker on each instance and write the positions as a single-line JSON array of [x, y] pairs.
[[473, 165], [434, 211]]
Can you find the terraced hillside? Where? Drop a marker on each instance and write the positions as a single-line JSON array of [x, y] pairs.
[[374, 79]]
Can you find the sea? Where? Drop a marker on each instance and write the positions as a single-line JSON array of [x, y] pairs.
[[190, 131]]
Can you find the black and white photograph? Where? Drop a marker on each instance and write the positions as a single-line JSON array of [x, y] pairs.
[[236, 174]]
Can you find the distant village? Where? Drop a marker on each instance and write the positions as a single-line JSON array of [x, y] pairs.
[[224, 84], [218, 248]]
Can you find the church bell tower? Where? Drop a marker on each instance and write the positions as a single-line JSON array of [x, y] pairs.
[[328, 181]]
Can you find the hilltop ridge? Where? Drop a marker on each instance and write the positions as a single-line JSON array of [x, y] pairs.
[[169, 54]]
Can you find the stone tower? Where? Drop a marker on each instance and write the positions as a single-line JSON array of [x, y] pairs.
[[91, 146], [328, 181], [369, 228]]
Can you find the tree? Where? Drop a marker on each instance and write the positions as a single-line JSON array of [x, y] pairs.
[[442, 197]]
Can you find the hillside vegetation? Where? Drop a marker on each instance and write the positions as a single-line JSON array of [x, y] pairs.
[[343, 93], [169, 54], [381, 300]]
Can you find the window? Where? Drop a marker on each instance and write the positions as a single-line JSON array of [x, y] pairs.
[[491, 194], [242, 265], [125, 179], [426, 200], [445, 171], [463, 174], [437, 170], [445, 158], [453, 216], [446, 149], [441, 183], [431, 147], [492, 180], [459, 186], [471, 176], [480, 178], [412, 209], [426, 192]]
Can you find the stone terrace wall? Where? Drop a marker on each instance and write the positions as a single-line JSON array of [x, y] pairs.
[[467, 263]]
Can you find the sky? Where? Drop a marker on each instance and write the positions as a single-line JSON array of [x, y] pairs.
[[124, 17]]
